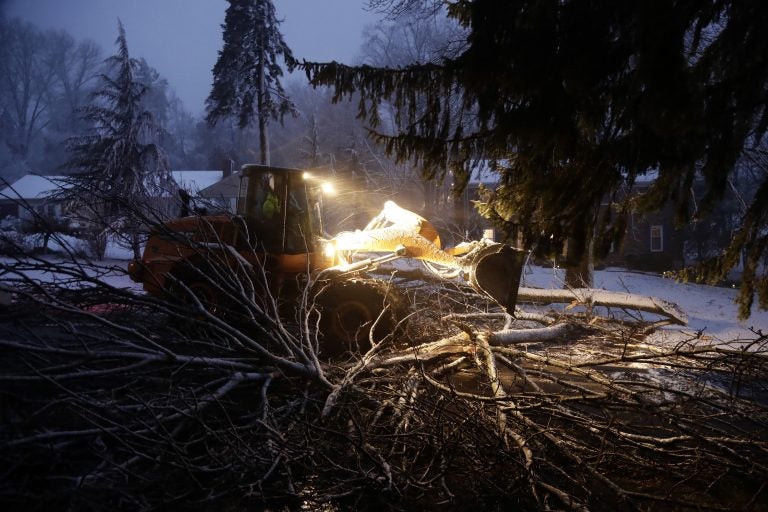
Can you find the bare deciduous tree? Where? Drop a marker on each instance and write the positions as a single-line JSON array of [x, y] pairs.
[[27, 74]]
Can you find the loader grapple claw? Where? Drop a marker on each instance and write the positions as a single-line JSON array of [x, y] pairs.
[[496, 271]]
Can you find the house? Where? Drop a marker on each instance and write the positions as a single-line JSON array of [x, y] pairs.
[[651, 240], [194, 181], [223, 193], [482, 174], [191, 183], [31, 194]]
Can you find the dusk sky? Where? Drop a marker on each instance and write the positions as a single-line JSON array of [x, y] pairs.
[[181, 38]]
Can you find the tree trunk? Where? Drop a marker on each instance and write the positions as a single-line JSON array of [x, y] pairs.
[[580, 269], [591, 297], [136, 244], [98, 243], [46, 239], [263, 140], [261, 93], [460, 211], [579, 254]]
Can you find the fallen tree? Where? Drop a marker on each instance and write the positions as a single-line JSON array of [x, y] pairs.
[[591, 297], [112, 399]]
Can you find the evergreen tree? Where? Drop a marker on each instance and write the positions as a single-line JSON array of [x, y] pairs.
[[420, 35], [118, 165], [246, 77], [574, 100]]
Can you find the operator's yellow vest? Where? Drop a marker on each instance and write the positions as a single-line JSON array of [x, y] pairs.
[[271, 206]]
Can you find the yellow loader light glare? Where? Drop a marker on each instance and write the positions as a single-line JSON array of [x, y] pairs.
[[329, 249], [326, 186]]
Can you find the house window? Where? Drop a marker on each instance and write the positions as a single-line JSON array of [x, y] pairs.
[[657, 238], [46, 210]]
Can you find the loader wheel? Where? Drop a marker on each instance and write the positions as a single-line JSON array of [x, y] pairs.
[[348, 312], [207, 294]]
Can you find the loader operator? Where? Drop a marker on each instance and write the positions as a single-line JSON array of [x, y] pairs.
[[275, 232], [271, 206]]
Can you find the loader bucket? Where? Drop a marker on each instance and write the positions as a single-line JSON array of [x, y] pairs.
[[496, 271]]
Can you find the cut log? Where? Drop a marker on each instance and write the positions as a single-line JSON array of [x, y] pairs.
[[592, 297], [512, 336]]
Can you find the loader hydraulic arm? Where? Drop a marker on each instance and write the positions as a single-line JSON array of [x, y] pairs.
[[490, 268]]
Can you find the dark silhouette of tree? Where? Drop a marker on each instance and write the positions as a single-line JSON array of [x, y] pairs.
[[246, 77], [27, 75], [77, 67], [118, 163], [574, 100], [44, 77]]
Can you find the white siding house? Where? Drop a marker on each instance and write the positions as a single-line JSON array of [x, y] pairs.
[[32, 192]]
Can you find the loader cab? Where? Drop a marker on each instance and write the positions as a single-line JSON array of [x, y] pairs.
[[281, 208]]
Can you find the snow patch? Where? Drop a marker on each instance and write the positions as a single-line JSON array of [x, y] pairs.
[[712, 311]]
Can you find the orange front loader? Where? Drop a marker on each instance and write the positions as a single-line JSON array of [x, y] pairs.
[[276, 240]]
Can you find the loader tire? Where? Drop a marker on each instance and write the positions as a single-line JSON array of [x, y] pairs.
[[205, 292], [348, 312], [207, 295]]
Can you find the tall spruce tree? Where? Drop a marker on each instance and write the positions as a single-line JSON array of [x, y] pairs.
[[118, 165], [575, 100], [246, 77]]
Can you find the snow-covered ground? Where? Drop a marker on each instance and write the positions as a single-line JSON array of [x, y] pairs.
[[711, 310]]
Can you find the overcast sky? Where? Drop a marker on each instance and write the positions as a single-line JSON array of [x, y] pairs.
[[181, 38]]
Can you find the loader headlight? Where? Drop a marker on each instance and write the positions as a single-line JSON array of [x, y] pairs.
[[329, 249], [326, 186]]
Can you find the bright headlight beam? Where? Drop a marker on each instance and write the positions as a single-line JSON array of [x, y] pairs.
[[329, 250], [327, 188]]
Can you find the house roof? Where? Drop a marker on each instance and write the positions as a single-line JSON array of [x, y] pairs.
[[483, 172], [194, 181], [32, 186], [647, 177], [225, 188]]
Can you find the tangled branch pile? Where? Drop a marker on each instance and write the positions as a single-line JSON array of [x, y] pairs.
[[113, 399]]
